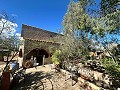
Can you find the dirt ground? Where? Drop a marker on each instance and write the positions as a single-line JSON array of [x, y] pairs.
[[46, 78]]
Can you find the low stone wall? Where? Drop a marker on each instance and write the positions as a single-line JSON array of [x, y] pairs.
[[94, 79], [82, 82]]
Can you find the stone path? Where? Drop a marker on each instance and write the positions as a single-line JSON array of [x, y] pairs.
[[45, 78]]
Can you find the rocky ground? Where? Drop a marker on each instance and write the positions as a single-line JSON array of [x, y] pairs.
[[46, 78]]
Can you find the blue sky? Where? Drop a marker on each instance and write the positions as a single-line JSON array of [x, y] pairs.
[[45, 14]]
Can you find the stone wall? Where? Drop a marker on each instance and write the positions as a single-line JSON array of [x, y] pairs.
[[92, 78], [32, 44], [50, 47], [48, 60]]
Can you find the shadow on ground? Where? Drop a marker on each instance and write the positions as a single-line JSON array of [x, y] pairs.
[[34, 81]]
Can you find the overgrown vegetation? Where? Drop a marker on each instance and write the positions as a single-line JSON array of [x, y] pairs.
[[82, 23], [111, 66], [55, 58]]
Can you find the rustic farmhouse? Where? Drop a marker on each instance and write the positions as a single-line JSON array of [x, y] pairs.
[[38, 43]]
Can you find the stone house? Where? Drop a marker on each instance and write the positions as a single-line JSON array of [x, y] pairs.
[[38, 43]]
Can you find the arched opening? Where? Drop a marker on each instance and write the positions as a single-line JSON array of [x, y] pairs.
[[38, 54]]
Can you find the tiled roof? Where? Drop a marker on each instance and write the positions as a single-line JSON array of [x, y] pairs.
[[30, 32]]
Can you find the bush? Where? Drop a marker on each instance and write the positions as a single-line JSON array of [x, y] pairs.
[[111, 67], [55, 55]]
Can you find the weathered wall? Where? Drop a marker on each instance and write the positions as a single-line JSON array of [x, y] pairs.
[[48, 60], [32, 44]]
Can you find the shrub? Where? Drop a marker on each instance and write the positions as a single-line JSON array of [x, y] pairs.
[[111, 67], [55, 55]]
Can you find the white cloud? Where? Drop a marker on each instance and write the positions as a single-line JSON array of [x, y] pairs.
[[8, 29], [18, 35]]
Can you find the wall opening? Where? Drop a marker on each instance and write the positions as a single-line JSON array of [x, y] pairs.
[[39, 54]]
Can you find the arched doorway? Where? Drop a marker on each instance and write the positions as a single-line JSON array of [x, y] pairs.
[[41, 54], [38, 54]]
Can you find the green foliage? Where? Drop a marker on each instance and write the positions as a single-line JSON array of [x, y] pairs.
[[80, 26], [76, 18], [105, 25], [114, 70], [11, 43], [76, 27], [55, 56], [109, 6], [116, 52], [111, 67], [106, 62], [73, 48]]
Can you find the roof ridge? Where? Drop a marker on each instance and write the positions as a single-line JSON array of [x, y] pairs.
[[37, 28], [37, 33]]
